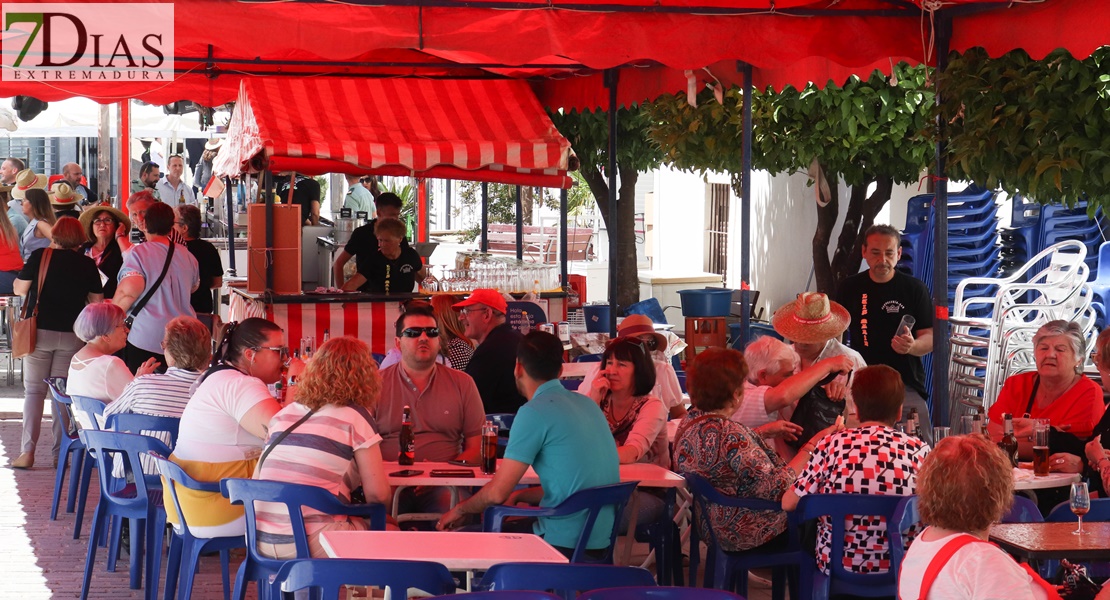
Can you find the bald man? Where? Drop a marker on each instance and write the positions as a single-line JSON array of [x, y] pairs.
[[72, 174]]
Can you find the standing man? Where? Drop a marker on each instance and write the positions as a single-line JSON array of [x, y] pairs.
[[8, 170], [149, 174], [72, 174], [447, 413], [358, 198], [563, 436], [172, 189], [364, 242], [878, 299], [211, 268], [137, 206], [306, 194], [494, 359]]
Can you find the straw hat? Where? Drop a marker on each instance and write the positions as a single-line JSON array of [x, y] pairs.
[[637, 325], [25, 180], [811, 319], [91, 212], [63, 195], [214, 144]]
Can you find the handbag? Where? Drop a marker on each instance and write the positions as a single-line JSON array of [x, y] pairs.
[[138, 306], [815, 412], [25, 330]]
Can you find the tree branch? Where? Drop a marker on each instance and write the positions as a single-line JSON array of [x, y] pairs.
[[826, 221]]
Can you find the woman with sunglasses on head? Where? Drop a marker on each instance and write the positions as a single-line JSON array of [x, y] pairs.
[[226, 422]]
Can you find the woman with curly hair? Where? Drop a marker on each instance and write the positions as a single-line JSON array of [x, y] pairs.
[[325, 438]]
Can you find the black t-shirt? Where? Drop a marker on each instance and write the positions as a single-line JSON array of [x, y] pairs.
[[305, 192], [109, 263], [400, 272], [70, 278], [877, 309], [492, 366], [364, 243], [211, 267]]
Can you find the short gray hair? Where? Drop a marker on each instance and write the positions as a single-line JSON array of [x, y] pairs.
[[97, 319], [1070, 329], [765, 353]]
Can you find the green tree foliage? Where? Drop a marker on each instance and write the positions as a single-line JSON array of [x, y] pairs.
[[866, 132], [588, 133], [1037, 128]]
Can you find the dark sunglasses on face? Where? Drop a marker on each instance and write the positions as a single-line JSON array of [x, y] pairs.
[[414, 332]]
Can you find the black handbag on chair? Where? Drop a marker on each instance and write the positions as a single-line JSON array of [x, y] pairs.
[[815, 411]]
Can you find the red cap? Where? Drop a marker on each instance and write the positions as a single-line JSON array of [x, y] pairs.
[[488, 297]]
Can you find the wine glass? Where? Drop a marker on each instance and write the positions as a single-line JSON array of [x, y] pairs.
[[1080, 503]]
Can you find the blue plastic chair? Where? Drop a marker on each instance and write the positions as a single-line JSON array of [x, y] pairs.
[[729, 570], [587, 358], [1061, 513], [137, 503], [591, 500], [185, 548], [564, 580], [329, 575], [71, 447], [93, 408], [839, 580], [163, 428], [659, 593], [1024, 510], [259, 568]]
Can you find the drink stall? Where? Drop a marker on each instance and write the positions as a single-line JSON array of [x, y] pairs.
[[482, 130]]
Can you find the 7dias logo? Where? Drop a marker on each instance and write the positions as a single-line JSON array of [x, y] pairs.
[[87, 42]]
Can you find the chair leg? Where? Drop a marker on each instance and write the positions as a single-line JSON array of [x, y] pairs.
[[138, 536], [241, 581], [76, 464], [190, 556], [83, 496], [156, 532], [59, 477], [90, 555], [173, 566], [225, 568], [115, 526]]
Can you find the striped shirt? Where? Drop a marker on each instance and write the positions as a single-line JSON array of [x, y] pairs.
[[319, 452], [160, 395]]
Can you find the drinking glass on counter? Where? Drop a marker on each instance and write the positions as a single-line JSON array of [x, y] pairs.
[[1080, 502]]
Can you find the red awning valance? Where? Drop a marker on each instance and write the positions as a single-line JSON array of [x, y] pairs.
[[480, 130]]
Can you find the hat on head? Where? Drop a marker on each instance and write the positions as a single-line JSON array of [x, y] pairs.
[[63, 195], [637, 325], [90, 213], [811, 319], [214, 144], [488, 297], [25, 180]]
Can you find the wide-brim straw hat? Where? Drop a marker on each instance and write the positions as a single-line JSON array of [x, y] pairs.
[[63, 195], [811, 319], [90, 213], [637, 325], [214, 144], [26, 180]]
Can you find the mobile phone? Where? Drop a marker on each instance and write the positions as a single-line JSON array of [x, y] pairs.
[[406, 473], [461, 463]]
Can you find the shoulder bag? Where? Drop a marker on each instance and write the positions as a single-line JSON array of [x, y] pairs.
[[25, 330], [138, 306], [281, 436], [815, 411]]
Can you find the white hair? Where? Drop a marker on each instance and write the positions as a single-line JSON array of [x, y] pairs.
[[765, 354], [97, 319]]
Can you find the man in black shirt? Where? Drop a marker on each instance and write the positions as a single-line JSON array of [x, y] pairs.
[[878, 299], [306, 193], [363, 243], [187, 224], [491, 367]]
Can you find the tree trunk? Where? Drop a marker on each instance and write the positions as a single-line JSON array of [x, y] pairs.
[[862, 210], [527, 203], [826, 220], [628, 280]]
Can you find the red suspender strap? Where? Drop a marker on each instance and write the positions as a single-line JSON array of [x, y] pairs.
[[941, 559]]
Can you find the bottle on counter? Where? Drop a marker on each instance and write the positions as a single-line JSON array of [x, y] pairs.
[[327, 335], [911, 423], [1009, 443], [407, 439]]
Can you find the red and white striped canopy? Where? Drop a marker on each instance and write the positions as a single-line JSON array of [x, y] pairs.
[[481, 130]]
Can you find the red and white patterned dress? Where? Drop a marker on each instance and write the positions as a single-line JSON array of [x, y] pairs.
[[867, 460]]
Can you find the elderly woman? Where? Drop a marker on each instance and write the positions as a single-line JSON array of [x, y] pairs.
[[94, 372], [963, 487], [336, 395], [102, 225], [873, 458], [1070, 451], [735, 458], [636, 419], [226, 422], [456, 345], [1057, 390], [70, 282]]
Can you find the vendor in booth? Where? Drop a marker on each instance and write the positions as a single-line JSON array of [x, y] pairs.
[[393, 268], [363, 243]]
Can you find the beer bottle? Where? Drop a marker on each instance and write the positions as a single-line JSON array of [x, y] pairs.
[[407, 439], [1009, 443], [911, 423], [279, 392]]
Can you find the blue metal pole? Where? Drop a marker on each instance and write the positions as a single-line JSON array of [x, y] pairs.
[[939, 400], [519, 225], [484, 244], [746, 207]]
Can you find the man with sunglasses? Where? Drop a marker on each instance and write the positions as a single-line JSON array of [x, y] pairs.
[[491, 366], [447, 411]]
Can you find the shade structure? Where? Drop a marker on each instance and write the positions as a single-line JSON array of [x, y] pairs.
[[482, 130]]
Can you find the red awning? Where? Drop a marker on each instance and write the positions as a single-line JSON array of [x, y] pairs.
[[481, 130]]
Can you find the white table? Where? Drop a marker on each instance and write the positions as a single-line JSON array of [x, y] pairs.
[[456, 550], [573, 370], [1024, 479], [648, 475]]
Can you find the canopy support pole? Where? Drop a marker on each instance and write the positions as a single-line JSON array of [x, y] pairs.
[[563, 238], [611, 77], [421, 210], [103, 155], [124, 153], [939, 401], [746, 208], [231, 218], [519, 225], [484, 245], [267, 184], [447, 203]]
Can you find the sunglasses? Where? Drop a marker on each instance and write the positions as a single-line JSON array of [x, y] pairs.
[[414, 332], [108, 221], [282, 351]]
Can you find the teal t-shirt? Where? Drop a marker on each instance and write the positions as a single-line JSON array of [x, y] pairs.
[[565, 437]]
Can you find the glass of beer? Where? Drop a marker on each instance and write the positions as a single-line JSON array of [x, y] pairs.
[[489, 448], [1041, 430]]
